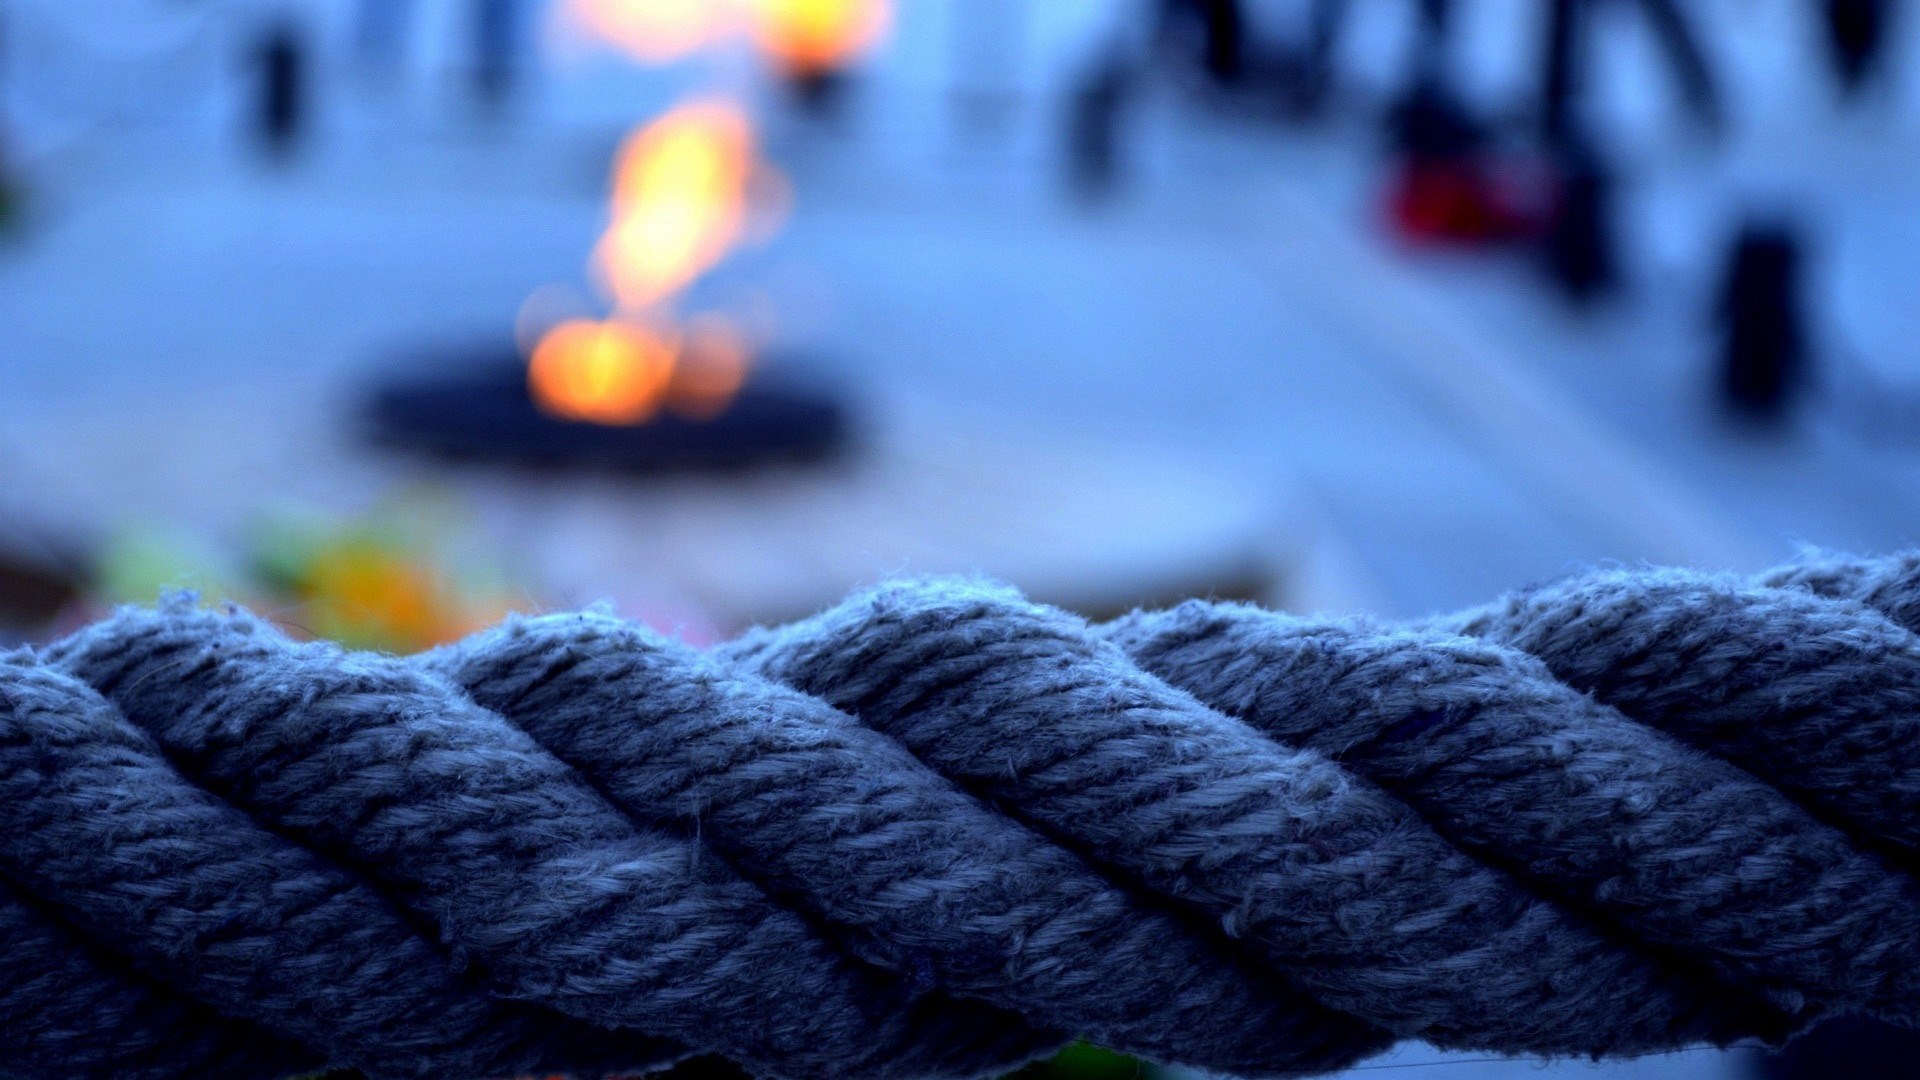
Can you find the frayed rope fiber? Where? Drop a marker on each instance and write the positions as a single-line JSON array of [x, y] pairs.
[[938, 829]]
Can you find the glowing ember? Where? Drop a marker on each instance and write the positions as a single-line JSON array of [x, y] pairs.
[[601, 372], [679, 201]]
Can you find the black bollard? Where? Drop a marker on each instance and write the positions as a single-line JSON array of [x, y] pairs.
[[1764, 347], [1565, 62], [1219, 30], [1675, 32], [1094, 117], [1313, 82], [1856, 32], [1581, 248], [1561, 67], [496, 50], [1427, 119], [282, 106], [10, 198], [9, 195], [1433, 43], [1430, 121]]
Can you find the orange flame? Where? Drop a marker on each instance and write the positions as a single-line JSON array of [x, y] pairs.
[[681, 189], [679, 201], [812, 37], [601, 372]]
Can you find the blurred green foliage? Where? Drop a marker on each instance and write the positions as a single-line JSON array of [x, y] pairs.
[[397, 579]]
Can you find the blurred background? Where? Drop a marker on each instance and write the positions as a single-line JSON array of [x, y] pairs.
[[386, 317]]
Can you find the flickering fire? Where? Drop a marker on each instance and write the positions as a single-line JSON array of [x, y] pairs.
[[814, 37], [680, 192], [679, 201]]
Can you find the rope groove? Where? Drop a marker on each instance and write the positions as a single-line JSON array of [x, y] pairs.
[[938, 829]]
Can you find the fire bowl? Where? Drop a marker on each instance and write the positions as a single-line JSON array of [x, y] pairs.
[[482, 412]]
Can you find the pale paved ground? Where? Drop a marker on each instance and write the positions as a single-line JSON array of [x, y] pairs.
[[182, 332]]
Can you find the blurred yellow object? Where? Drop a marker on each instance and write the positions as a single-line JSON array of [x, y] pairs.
[[376, 583], [386, 581], [366, 596]]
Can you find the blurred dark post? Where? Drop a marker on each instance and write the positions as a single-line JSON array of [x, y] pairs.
[[496, 49], [1561, 68], [1226, 39], [1764, 348], [1436, 30], [9, 191], [1682, 44], [1564, 75], [1857, 33], [1314, 83], [1428, 120], [281, 106], [1095, 115], [1219, 27], [1580, 245]]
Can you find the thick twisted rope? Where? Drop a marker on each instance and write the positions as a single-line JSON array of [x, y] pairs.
[[938, 829]]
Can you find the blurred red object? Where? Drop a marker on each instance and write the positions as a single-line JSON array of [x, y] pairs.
[[1471, 198]]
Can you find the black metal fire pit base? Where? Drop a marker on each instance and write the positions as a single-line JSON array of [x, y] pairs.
[[483, 413]]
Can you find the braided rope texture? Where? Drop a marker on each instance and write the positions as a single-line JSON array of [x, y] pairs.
[[938, 829]]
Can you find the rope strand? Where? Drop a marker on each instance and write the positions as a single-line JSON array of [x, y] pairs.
[[1322, 875], [1665, 845], [938, 829]]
